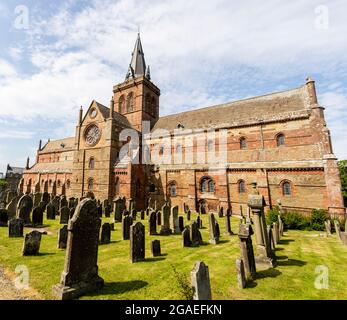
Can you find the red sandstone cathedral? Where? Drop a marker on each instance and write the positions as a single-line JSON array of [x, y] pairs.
[[279, 140]]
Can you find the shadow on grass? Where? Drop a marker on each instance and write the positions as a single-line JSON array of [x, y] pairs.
[[270, 273], [119, 287], [291, 262], [41, 254], [223, 241], [285, 241], [154, 259], [281, 257]]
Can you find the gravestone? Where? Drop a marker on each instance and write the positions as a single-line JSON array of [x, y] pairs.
[[131, 205], [327, 224], [275, 232], [71, 203], [241, 276], [217, 230], [199, 222], [148, 210], [152, 223], [62, 237], [271, 239], [80, 273], [174, 220], [64, 215], [126, 223], [221, 212], [214, 238], [158, 218], [107, 209], [24, 207], [105, 233], [186, 240], [43, 206], [281, 225], [112, 226], [155, 248], [228, 225], [56, 203], [32, 242], [3, 217], [246, 250], [134, 214], [64, 202], [137, 242], [165, 226], [11, 207], [99, 210], [119, 207], [188, 215], [36, 199], [50, 211], [195, 234], [201, 282], [37, 216], [337, 229], [181, 223], [203, 209], [15, 228], [72, 212], [229, 212], [142, 214], [45, 197]]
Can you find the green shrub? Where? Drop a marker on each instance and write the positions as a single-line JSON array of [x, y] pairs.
[[272, 215], [318, 216], [294, 220]]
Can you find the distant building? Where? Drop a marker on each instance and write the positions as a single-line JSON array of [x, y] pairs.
[[1, 175], [13, 176]]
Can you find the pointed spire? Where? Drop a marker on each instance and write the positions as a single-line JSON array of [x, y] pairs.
[[40, 145], [148, 73], [111, 108], [27, 165], [80, 115], [137, 66]]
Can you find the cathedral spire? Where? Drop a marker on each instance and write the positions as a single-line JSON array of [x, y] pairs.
[[137, 66]]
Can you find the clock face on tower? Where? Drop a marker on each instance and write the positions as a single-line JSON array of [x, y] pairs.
[[92, 135]]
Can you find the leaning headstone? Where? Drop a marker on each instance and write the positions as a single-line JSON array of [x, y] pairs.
[[214, 238], [62, 237], [246, 250], [137, 242], [37, 216], [24, 207], [337, 229], [105, 233], [126, 223], [15, 228], [201, 282], [152, 223], [186, 241], [165, 223], [181, 223], [32, 242], [174, 220], [50, 211], [327, 224], [241, 277], [155, 248], [3, 217], [80, 273], [64, 215]]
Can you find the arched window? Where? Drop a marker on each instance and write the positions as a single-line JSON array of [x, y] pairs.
[[121, 105], [152, 187], [286, 188], [210, 145], [243, 143], [242, 186], [91, 163], [280, 140], [68, 184], [173, 189], [90, 184], [50, 183], [207, 185], [130, 102]]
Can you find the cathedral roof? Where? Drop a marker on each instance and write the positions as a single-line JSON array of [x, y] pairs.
[[66, 144], [267, 108], [121, 119]]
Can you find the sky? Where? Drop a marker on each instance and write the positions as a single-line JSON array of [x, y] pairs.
[[56, 56]]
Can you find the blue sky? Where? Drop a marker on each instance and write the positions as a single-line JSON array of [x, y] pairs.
[[200, 52]]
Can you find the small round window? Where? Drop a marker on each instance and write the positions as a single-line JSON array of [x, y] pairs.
[[93, 113]]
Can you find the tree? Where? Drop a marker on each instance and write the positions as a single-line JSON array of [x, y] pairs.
[[343, 175]]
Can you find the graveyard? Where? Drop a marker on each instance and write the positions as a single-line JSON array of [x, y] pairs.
[[167, 275]]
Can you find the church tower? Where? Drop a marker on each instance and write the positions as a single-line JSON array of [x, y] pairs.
[[137, 98]]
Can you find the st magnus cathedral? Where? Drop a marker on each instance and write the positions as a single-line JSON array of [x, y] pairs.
[[279, 140]]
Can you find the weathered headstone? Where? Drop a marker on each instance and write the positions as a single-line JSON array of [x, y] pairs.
[[142, 215], [228, 225], [126, 223], [271, 239], [155, 248], [275, 233], [3, 217], [186, 241], [37, 216], [64, 202], [15, 228], [64, 215], [327, 224], [134, 214], [337, 229], [45, 197], [56, 203], [174, 220], [181, 223], [201, 282], [80, 273], [246, 250], [221, 212], [105, 233], [119, 207], [62, 237], [137, 242], [24, 207], [36, 199], [199, 222], [214, 238], [11, 207], [195, 234], [158, 218], [71, 202], [50, 211], [188, 215], [241, 276], [99, 210], [32, 242], [165, 223], [152, 223]]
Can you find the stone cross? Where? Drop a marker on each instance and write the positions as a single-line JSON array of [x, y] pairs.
[[137, 242], [201, 282], [32, 241], [80, 273]]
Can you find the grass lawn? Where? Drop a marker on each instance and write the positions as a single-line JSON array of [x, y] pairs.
[[298, 253]]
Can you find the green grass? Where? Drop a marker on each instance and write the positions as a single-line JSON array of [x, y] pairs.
[[299, 252]]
